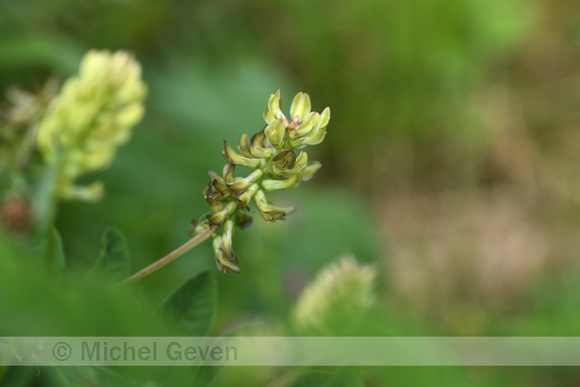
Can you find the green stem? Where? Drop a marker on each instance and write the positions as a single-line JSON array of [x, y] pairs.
[[45, 203], [178, 252]]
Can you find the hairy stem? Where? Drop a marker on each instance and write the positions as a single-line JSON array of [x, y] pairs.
[[178, 252]]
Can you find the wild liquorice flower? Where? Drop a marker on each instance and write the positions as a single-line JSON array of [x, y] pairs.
[[271, 153], [91, 116], [341, 290]]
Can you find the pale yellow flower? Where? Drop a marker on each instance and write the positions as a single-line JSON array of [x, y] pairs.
[[90, 118], [304, 127], [276, 166], [342, 288]]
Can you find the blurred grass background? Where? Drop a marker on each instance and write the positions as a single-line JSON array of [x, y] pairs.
[[452, 156]]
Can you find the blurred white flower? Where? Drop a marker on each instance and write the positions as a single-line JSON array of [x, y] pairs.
[[343, 288]]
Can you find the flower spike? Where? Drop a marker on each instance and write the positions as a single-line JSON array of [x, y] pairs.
[[271, 153]]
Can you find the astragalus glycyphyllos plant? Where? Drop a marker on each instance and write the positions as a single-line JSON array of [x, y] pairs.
[[89, 119], [59, 138], [275, 154], [272, 154], [94, 113]]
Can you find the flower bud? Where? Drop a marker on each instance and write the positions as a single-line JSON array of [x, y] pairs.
[[258, 140], [218, 218], [300, 106], [274, 105], [285, 159], [276, 132], [273, 185], [314, 135], [239, 186], [315, 138], [244, 146], [269, 212], [305, 128], [232, 157], [212, 197], [248, 151], [223, 263], [294, 165], [228, 173], [226, 244], [244, 199], [268, 116], [197, 227], [324, 118], [219, 185], [301, 163], [307, 173]]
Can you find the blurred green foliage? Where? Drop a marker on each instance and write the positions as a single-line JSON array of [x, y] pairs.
[[418, 92]]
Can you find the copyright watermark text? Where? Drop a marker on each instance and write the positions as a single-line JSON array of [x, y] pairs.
[[289, 351]]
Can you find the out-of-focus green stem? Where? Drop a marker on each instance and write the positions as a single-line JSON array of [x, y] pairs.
[[190, 244], [45, 205]]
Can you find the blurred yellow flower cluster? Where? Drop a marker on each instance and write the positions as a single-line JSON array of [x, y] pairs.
[[271, 153], [341, 290], [91, 116]]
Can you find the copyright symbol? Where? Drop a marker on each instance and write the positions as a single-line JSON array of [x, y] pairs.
[[61, 351]]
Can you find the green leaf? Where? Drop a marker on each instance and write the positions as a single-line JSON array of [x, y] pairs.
[[191, 307], [115, 254], [65, 308], [114, 258]]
